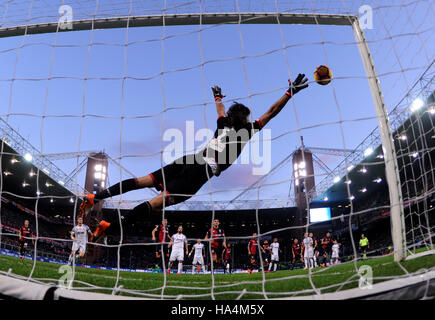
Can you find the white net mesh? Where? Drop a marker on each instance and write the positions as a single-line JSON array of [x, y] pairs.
[[130, 80]]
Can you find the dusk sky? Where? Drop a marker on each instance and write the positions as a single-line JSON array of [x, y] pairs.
[[68, 113]]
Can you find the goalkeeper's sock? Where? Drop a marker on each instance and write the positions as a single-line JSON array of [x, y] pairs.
[[127, 185]]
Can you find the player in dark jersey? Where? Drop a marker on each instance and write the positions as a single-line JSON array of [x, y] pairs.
[[325, 249], [253, 252], [162, 237], [315, 248], [182, 179], [25, 233], [217, 242], [265, 254], [227, 258], [296, 252]]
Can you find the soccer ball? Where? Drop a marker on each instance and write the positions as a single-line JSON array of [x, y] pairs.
[[323, 75]]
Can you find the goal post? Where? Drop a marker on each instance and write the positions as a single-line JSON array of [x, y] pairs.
[[390, 156]]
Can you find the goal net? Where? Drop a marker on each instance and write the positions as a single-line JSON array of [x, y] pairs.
[[97, 92]]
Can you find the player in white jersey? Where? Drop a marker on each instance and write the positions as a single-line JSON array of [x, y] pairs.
[[335, 252], [307, 245], [274, 247], [198, 257], [79, 235], [178, 244]]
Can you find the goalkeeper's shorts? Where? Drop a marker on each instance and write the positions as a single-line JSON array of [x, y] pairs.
[[182, 179]]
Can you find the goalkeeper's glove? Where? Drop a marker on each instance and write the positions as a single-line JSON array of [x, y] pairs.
[[297, 85], [217, 93]]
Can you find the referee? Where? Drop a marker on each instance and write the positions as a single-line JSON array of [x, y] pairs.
[[364, 245]]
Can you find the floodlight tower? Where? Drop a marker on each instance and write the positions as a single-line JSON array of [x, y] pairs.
[[96, 179], [96, 175], [303, 175]]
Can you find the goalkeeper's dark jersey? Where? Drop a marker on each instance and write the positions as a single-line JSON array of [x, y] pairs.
[[228, 142]]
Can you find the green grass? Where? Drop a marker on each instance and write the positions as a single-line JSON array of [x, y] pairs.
[[278, 284]]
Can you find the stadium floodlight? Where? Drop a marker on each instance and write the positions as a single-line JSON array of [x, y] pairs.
[[31, 173], [297, 182], [325, 199], [46, 171], [71, 200], [296, 166], [25, 184], [352, 198], [363, 170], [303, 173], [336, 179], [28, 157], [417, 104], [377, 180], [13, 160], [38, 193], [403, 137], [368, 151], [380, 156], [349, 168], [302, 165], [348, 181], [48, 184], [7, 173], [61, 182], [414, 155], [363, 190], [432, 110], [51, 200]]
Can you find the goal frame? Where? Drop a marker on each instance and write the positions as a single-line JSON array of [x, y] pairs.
[[391, 164]]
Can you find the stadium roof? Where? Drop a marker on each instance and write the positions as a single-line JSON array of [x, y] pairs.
[[414, 144], [22, 183]]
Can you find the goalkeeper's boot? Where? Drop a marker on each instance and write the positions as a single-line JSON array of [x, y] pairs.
[[100, 232], [87, 204]]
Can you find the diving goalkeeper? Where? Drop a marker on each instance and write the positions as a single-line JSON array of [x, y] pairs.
[[181, 179]]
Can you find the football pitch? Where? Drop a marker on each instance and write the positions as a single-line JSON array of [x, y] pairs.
[[283, 283]]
